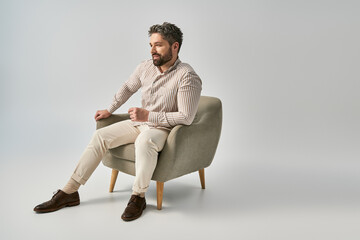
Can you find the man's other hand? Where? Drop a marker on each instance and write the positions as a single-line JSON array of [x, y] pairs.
[[100, 114], [138, 114]]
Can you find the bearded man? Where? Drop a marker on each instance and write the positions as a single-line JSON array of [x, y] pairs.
[[170, 93]]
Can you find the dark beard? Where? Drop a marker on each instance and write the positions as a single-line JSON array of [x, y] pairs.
[[162, 59]]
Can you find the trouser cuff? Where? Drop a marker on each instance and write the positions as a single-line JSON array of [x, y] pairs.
[[140, 190], [78, 179]]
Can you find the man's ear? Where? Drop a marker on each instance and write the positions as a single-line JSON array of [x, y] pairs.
[[176, 46]]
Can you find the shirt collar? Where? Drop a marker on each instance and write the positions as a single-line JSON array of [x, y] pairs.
[[174, 65]]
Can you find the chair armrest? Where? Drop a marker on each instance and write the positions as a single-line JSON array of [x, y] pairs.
[[112, 119], [188, 149]]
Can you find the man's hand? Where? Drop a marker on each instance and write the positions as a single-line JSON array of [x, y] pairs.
[[100, 114], [138, 114]]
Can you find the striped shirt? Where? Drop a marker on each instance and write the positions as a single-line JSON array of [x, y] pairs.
[[171, 97]]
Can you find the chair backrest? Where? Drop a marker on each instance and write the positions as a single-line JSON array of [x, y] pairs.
[[209, 110], [209, 116]]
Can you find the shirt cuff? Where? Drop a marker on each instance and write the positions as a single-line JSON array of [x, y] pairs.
[[111, 109], [153, 117]]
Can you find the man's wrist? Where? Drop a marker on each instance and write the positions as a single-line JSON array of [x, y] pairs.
[[153, 117], [110, 110]]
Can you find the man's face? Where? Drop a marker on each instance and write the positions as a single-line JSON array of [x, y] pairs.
[[160, 50]]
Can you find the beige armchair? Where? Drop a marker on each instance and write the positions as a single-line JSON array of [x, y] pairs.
[[187, 149]]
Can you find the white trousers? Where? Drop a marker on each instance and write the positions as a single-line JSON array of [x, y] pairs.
[[148, 142]]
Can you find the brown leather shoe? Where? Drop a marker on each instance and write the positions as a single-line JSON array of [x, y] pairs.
[[58, 201], [134, 208]]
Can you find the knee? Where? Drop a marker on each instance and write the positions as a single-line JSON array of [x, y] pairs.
[[145, 142], [97, 138], [97, 134]]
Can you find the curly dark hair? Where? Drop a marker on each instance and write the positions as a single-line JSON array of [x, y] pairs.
[[169, 32]]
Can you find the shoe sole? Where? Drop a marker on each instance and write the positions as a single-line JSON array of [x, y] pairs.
[[72, 204], [135, 217]]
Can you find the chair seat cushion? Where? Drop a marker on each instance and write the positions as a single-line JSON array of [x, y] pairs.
[[124, 152]]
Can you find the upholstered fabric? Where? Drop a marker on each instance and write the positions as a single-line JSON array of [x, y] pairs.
[[187, 149]]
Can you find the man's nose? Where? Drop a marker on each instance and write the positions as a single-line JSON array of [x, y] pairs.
[[152, 51]]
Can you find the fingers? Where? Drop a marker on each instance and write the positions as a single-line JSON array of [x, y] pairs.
[[138, 114], [132, 115], [132, 112], [98, 115]]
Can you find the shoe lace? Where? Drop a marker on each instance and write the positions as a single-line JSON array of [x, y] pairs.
[[134, 201]]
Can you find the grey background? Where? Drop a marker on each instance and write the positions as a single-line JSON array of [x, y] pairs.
[[287, 72]]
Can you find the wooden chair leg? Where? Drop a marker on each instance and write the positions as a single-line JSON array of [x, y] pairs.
[[202, 178], [159, 193], [114, 175]]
